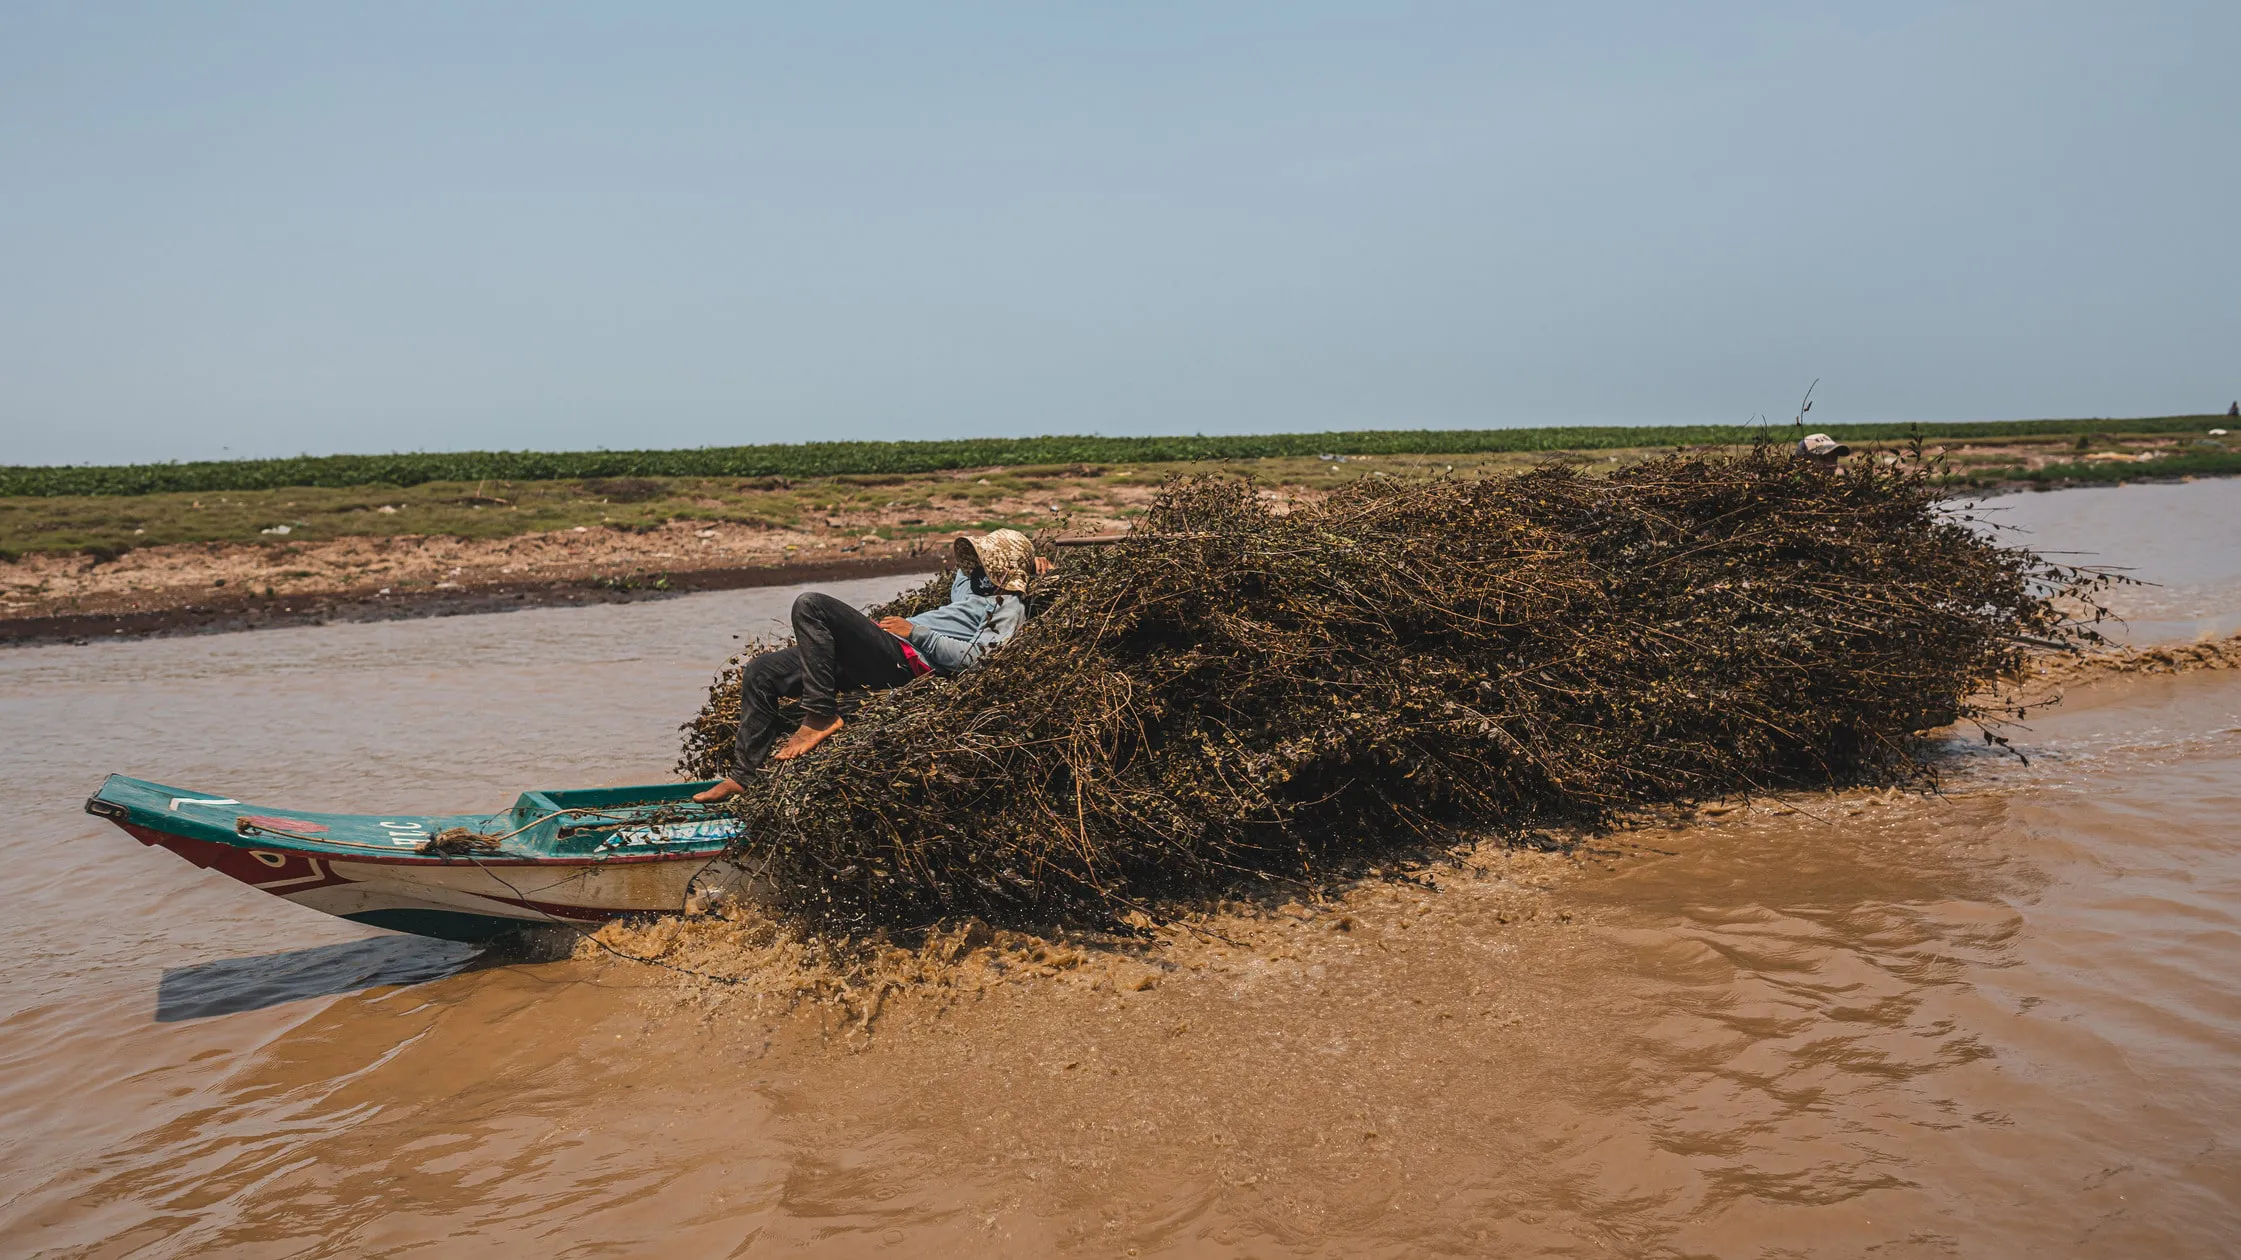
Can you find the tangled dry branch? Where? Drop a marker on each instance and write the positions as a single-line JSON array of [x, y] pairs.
[[1230, 693]]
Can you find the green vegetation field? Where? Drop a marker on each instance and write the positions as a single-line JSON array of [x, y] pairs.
[[108, 511], [906, 504], [827, 459]]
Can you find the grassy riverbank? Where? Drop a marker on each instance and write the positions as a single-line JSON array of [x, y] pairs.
[[106, 511], [832, 459]]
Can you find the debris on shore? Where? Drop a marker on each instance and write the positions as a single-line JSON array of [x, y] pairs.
[[1228, 695]]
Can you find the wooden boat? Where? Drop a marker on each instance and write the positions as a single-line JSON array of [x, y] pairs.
[[576, 857]]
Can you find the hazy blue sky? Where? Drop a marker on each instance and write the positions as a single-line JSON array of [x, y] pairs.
[[284, 227]]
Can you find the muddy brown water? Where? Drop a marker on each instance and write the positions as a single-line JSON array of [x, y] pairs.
[[2002, 1022]]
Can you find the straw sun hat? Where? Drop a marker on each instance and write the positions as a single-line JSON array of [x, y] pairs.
[[1005, 555]]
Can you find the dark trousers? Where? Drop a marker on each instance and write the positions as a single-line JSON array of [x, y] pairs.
[[835, 648]]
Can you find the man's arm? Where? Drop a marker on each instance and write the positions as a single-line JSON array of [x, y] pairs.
[[960, 589], [954, 655]]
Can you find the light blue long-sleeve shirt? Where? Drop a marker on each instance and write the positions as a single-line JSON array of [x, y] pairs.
[[954, 637]]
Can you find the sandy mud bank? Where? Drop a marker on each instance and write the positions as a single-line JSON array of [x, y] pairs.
[[189, 587], [219, 585]]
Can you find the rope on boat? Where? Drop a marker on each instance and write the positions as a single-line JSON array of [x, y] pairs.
[[450, 842], [243, 827], [457, 840], [460, 840]]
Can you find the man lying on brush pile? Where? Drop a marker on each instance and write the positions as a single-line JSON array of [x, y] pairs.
[[1227, 693], [837, 648]]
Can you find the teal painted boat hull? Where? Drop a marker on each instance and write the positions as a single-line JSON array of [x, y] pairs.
[[579, 857]]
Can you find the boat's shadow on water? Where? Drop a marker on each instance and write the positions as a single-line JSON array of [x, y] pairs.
[[233, 985]]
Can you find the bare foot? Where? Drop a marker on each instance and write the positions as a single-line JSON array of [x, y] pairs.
[[723, 791], [814, 730]]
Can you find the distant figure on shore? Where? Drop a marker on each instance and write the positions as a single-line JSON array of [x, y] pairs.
[[837, 648], [1821, 450], [2233, 410]]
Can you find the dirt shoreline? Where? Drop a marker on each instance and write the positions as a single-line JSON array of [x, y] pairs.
[[167, 613], [190, 587], [217, 586]]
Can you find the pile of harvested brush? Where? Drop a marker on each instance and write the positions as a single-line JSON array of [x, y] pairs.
[[1229, 692]]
